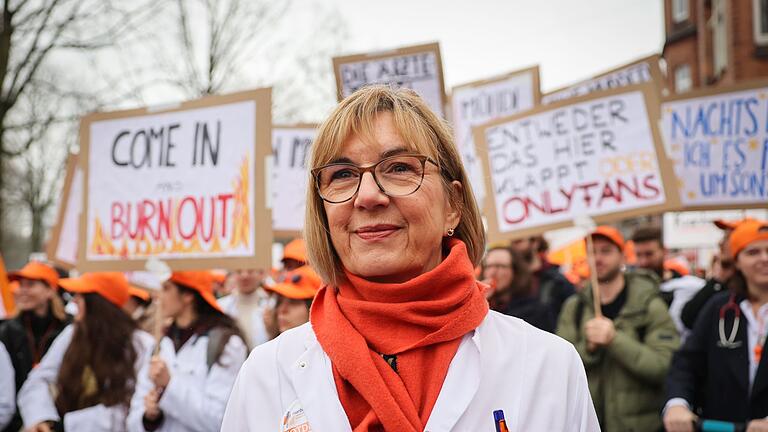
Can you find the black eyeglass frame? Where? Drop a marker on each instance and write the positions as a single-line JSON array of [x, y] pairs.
[[372, 169]]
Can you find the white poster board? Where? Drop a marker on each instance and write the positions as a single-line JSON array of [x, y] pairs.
[[598, 155], [718, 142], [696, 229], [638, 72], [479, 102], [186, 186], [416, 67], [291, 146]]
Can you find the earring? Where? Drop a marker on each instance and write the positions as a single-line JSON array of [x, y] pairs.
[[450, 232]]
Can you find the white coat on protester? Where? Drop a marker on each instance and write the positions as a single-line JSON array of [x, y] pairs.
[[36, 403], [195, 397], [258, 330], [536, 378], [7, 388]]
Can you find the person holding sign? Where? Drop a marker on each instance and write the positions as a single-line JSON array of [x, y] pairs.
[[186, 385], [40, 319], [721, 372], [91, 366], [401, 338], [627, 345]]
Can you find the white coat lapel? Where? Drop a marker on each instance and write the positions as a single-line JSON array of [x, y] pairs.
[[459, 388], [312, 378]]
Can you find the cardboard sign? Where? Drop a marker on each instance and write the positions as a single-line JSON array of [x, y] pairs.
[[482, 101], [641, 71], [291, 147], [718, 141], [417, 67], [62, 247], [185, 185], [598, 156]]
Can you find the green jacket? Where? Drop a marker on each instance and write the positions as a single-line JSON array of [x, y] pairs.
[[626, 378]]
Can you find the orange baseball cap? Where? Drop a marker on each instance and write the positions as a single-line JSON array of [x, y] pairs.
[[611, 233], [295, 250], [200, 281], [134, 291], [113, 286], [301, 284], [746, 232], [35, 270]]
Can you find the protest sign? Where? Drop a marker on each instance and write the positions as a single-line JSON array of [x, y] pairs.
[[184, 185], [641, 71], [598, 155], [291, 146], [696, 229], [416, 67], [482, 101], [718, 142], [63, 242]]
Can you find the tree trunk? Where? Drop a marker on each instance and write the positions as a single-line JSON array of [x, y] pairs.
[[36, 238]]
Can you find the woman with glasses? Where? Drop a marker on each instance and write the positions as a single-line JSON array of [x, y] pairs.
[[401, 338]]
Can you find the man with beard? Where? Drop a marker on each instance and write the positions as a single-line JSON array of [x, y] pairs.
[[676, 289], [548, 285], [626, 351]]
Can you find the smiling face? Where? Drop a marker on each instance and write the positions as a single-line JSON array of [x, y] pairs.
[[753, 263], [389, 239]]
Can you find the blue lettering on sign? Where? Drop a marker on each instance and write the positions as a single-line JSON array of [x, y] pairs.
[[697, 154], [717, 119]]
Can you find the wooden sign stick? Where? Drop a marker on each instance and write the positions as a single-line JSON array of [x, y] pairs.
[[593, 277]]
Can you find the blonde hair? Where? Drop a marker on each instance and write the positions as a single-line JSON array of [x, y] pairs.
[[423, 131]]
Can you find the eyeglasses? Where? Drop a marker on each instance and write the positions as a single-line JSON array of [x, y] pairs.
[[396, 176]]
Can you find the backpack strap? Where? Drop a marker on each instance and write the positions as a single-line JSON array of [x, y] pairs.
[[215, 340]]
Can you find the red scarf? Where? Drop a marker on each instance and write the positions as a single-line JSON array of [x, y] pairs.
[[420, 321]]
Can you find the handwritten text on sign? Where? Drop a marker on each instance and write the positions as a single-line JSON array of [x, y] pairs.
[[634, 74], [595, 157], [474, 105], [417, 71], [719, 146], [173, 185], [290, 151]]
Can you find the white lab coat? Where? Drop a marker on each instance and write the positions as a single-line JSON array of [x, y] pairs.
[[36, 403], [683, 289], [7, 388], [195, 397], [536, 378], [258, 330]]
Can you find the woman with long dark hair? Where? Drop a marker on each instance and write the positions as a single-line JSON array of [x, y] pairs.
[[91, 366], [186, 386], [721, 372]]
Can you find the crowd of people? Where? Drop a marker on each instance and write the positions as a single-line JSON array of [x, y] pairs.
[[401, 337]]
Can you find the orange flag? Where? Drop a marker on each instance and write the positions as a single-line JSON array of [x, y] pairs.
[[5, 290]]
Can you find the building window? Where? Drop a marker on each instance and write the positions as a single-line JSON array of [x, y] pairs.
[[717, 24], [760, 21], [683, 81], [680, 11]]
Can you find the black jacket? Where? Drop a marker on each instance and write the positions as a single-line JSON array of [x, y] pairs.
[[696, 303], [13, 334], [552, 288], [532, 311], [713, 378]]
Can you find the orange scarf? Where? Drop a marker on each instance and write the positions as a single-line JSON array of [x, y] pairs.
[[420, 321]]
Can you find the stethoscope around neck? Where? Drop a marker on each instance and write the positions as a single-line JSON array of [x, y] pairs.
[[730, 341]]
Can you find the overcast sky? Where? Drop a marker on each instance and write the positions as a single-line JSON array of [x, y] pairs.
[[569, 39]]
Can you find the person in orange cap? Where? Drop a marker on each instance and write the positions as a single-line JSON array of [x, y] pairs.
[[87, 378], [294, 254], [721, 372], [294, 297], [633, 337], [40, 319], [187, 384]]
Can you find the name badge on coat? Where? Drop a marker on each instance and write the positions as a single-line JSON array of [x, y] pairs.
[[295, 419]]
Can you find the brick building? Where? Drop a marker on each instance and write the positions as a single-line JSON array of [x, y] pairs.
[[715, 42]]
